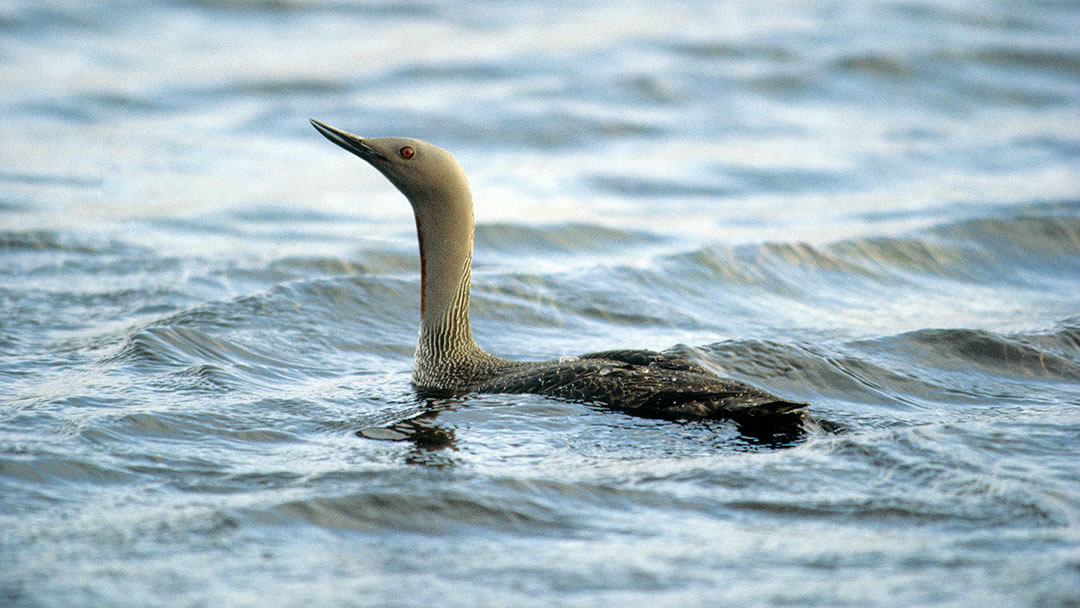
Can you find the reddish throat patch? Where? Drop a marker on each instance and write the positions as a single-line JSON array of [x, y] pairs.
[[423, 267]]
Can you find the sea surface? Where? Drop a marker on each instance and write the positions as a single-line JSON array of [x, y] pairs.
[[208, 311]]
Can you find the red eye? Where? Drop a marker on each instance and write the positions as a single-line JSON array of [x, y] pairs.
[[406, 152]]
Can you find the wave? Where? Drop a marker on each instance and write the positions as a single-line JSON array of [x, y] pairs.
[[926, 369], [528, 506], [1024, 249], [292, 332]]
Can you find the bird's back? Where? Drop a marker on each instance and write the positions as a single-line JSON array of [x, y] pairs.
[[642, 382]]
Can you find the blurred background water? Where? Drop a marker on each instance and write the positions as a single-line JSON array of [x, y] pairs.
[[872, 206]]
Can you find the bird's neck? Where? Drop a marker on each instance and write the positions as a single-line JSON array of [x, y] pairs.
[[445, 232]]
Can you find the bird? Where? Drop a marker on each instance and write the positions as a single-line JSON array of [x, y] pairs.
[[448, 362]]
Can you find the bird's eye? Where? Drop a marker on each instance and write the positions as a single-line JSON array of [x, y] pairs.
[[406, 152]]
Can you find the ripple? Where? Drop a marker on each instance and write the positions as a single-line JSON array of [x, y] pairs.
[[50, 241], [559, 239], [447, 512], [631, 186], [1002, 355]]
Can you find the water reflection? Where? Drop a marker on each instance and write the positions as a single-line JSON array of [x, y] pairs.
[[429, 440]]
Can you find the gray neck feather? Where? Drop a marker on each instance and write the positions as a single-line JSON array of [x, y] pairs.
[[446, 355]]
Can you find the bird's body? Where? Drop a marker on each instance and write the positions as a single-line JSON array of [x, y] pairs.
[[448, 360]]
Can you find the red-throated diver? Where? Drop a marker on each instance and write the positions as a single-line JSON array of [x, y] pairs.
[[447, 358]]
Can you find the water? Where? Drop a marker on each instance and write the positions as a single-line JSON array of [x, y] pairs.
[[869, 206]]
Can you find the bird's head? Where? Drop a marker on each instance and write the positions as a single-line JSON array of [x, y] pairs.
[[425, 173]]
